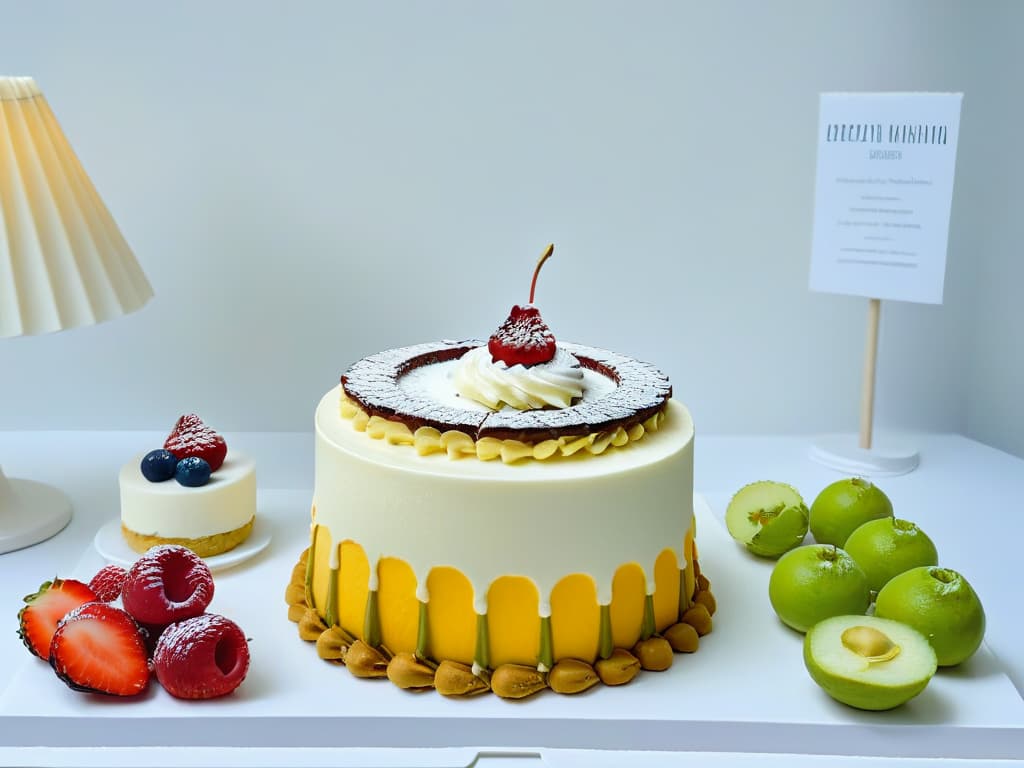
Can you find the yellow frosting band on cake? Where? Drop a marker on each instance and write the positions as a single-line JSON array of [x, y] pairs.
[[515, 610], [354, 575], [666, 595], [575, 618], [513, 621], [428, 440], [397, 603]]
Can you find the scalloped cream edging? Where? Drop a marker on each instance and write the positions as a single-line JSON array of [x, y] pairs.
[[427, 440]]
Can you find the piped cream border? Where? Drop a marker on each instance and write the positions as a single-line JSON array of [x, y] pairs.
[[427, 440]]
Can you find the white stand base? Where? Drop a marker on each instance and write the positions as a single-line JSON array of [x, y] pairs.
[[30, 512], [887, 456]]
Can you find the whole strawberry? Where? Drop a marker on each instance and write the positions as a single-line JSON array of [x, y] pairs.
[[192, 438]]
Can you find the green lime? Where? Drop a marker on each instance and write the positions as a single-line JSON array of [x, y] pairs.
[[887, 547], [843, 507], [815, 582], [941, 605]]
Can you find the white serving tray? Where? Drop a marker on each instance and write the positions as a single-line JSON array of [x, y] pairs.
[[745, 690]]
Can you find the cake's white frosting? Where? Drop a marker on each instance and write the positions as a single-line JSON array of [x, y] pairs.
[[495, 383], [543, 520], [171, 510]]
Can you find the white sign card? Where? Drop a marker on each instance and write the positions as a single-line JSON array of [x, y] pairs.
[[884, 187]]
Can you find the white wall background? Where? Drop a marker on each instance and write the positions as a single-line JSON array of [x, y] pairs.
[[305, 183]]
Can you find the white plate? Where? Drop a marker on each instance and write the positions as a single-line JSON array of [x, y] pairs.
[[111, 545]]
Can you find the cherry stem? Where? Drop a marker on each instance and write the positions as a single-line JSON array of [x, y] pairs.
[[540, 263]]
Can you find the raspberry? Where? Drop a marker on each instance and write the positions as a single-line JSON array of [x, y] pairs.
[[168, 583], [107, 583], [202, 657]]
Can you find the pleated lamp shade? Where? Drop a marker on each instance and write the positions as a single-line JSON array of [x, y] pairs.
[[63, 261], [63, 264]]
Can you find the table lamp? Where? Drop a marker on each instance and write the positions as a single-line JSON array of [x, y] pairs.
[[63, 264]]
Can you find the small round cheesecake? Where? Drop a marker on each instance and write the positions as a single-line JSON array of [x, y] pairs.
[[209, 520]]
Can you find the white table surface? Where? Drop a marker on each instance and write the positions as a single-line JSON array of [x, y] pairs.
[[964, 495]]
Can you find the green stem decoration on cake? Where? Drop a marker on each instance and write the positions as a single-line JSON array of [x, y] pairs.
[[310, 561], [605, 647], [546, 657], [422, 647], [684, 599], [482, 653], [331, 610], [371, 621], [647, 627]]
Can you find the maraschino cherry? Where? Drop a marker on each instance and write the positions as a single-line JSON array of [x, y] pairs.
[[524, 339]]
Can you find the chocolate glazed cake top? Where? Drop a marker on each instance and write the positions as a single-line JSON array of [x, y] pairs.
[[640, 391]]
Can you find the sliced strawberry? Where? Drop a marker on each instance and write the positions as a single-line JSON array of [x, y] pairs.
[[43, 610], [107, 583], [522, 339], [191, 437], [98, 648]]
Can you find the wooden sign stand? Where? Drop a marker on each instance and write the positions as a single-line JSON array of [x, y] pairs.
[[867, 397], [870, 457]]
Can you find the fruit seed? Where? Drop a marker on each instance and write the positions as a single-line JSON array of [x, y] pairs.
[[870, 643], [516, 681], [409, 673], [682, 637], [705, 598], [619, 668], [455, 679], [699, 618], [364, 661], [572, 676], [311, 626], [654, 653]]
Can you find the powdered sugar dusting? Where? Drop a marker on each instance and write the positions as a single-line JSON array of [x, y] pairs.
[[639, 391], [522, 333]]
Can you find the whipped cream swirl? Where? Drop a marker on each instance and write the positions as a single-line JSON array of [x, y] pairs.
[[495, 384]]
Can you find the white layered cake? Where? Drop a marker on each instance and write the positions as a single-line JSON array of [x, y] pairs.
[[507, 516], [466, 548]]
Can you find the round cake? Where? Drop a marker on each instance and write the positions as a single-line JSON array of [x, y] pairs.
[[193, 492], [487, 519]]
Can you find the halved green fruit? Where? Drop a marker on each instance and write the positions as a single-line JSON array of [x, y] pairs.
[[867, 662], [767, 517]]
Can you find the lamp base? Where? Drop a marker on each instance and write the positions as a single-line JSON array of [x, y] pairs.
[[887, 456], [30, 512]]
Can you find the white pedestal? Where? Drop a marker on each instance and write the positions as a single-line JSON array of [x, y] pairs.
[[889, 455], [30, 512]]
